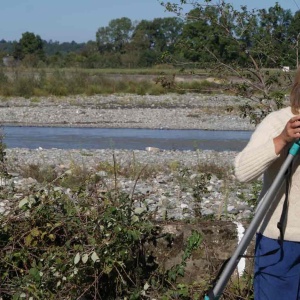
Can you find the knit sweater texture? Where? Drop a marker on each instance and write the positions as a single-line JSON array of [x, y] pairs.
[[259, 158]]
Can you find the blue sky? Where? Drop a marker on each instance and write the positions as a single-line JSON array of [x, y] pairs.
[[78, 20]]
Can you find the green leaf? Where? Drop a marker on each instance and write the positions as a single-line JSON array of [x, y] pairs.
[[181, 272], [139, 210], [85, 258], [77, 258], [107, 269], [95, 257], [28, 239], [23, 202], [135, 219], [35, 273], [35, 231], [52, 237]]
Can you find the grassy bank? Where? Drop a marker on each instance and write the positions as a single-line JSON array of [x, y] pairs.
[[62, 82]]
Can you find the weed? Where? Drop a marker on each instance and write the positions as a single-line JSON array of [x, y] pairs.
[[3, 164], [42, 174], [83, 243], [35, 99], [256, 188]]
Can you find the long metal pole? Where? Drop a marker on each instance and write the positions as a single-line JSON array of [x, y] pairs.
[[252, 229]]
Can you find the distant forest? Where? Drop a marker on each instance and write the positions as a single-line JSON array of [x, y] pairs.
[[188, 41], [50, 47]]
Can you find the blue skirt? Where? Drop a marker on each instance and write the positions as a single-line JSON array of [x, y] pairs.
[[277, 275]]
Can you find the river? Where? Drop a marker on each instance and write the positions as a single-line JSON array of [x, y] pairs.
[[124, 138]]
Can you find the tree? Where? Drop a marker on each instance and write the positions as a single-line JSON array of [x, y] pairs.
[[29, 44], [6, 46], [115, 36], [200, 40], [272, 36], [243, 44], [152, 38], [160, 34], [294, 35]]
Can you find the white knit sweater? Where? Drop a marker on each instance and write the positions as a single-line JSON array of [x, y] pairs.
[[259, 157]]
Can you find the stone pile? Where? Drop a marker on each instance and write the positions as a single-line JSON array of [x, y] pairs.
[[168, 193]]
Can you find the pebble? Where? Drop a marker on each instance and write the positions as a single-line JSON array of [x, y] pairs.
[[168, 193], [170, 111]]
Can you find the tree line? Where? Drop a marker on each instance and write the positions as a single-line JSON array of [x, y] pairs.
[[203, 34]]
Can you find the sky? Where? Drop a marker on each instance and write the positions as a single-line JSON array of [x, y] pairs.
[[78, 20]]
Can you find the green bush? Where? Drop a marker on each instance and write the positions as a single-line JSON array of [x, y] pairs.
[[57, 243]]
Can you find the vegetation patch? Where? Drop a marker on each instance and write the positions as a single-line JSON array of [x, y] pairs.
[[71, 236]]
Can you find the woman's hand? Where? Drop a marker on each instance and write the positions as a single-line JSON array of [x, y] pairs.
[[290, 133]]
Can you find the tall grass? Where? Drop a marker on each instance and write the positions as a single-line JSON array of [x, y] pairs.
[[62, 82]]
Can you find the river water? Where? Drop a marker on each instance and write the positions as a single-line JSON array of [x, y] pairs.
[[124, 138]]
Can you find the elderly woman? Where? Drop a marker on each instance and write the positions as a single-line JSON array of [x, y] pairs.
[[277, 273]]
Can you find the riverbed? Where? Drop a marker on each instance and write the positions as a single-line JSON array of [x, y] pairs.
[[169, 111]]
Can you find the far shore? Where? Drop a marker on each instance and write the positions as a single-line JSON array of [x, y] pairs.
[[170, 111]]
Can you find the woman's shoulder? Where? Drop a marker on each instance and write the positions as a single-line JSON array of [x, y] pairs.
[[283, 111], [275, 120], [282, 114]]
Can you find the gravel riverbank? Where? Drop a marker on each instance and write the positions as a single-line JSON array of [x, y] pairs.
[[164, 193], [174, 188], [189, 111]]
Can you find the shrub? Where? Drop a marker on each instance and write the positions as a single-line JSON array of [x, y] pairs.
[[55, 247], [40, 174], [62, 244]]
